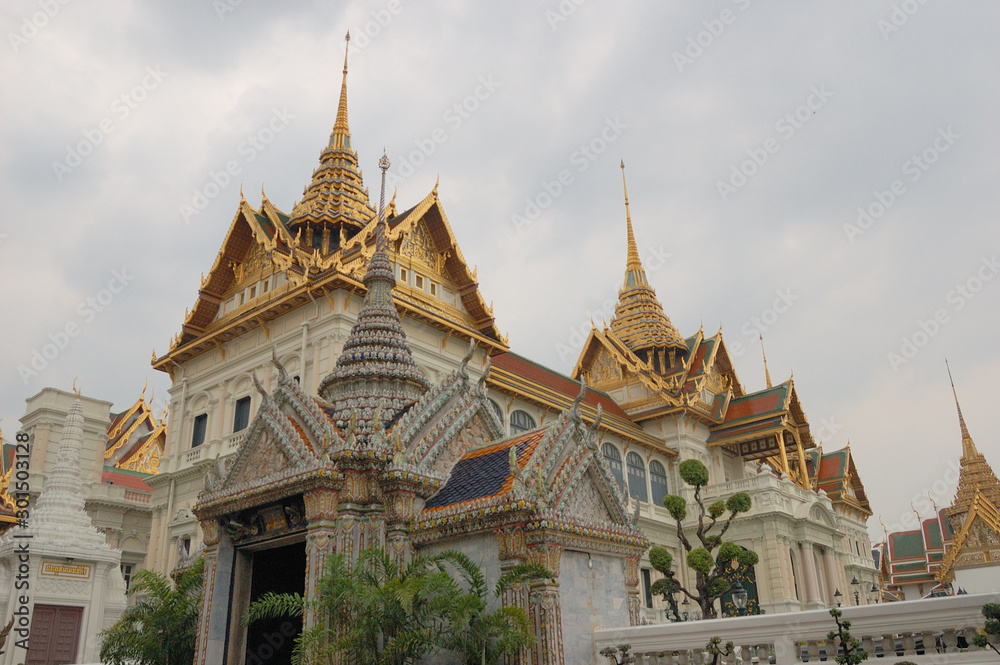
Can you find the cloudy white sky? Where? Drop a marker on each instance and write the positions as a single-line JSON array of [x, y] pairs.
[[117, 113]]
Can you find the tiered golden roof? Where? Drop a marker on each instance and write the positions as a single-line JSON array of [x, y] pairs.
[[976, 475], [639, 320], [336, 200]]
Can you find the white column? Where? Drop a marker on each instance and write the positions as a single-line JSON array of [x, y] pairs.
[[809, 573]]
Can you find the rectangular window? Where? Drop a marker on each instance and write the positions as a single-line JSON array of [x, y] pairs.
[[647, 587], [264, 290], [127, 575], [434, 289], [404, 276], [418, 281], [242, 416], [253, 291], [200, 428]]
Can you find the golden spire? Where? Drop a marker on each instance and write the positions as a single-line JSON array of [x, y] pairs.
[[634, 273], [968, 447], [767, 374], [639, 320], [337, 195], [340, 139], [975, 474]]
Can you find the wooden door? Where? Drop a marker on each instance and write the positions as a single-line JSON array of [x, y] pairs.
[[55, 635]]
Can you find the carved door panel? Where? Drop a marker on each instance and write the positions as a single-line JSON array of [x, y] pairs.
[[55, 635]]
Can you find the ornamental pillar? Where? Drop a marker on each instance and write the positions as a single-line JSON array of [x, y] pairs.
[[545, 607], [219, 554], [632, 588], [512, 551], [321, 539], [398, 517]]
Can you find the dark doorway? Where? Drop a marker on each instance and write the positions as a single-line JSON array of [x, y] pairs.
[[281, 570], [55, 635]]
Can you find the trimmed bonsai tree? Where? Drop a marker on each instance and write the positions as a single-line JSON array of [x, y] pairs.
[[991, 611], [709, 555]]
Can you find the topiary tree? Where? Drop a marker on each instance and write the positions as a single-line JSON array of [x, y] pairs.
[[851, 652], [992, 613], [713, 556]]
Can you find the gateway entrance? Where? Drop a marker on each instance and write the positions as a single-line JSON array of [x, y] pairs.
[[281, 570]]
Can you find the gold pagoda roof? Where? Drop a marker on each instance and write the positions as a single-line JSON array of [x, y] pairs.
[[639, 321], [337, 193], [976, 476]]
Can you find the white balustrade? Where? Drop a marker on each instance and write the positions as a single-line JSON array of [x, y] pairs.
[[934, 631]]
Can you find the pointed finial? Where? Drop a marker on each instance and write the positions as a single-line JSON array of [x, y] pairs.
[[341, 136], [767, 374], [380, 240], [75, 389], [968, 447], [633, 250], [436, 183], [347, 49], [885, 531], [937, 510], [914, 509], [142, 396]]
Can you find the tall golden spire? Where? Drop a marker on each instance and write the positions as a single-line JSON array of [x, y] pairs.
[[634, 273], [340, 139], [968, 446], [336, 200], [639, 320], [975, 475], [767, 374]]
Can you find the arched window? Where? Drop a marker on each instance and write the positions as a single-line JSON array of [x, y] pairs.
[[658, 482], [614, 460], [497, 410], [636, 477], [521, 422]]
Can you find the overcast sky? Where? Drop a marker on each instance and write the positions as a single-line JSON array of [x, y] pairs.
[[752, 133]]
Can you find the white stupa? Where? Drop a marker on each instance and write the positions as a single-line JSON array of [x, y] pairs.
[[74, 587]]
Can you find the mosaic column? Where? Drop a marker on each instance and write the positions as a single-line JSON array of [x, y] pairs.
[[512, 552], [398, 517], [632, 587], [219, 553], [321, 539], [545, 608]]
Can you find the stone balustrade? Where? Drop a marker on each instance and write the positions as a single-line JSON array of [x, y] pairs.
[[212, 449], [933, 630]]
